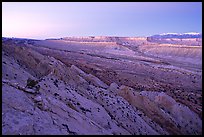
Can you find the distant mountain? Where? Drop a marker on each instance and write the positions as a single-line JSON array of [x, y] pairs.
[[179, 35], [191, 38]]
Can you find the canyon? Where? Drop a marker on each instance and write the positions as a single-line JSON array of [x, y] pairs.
[[102, 85]]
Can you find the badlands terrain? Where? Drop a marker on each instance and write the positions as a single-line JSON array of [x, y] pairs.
[[102, 85]]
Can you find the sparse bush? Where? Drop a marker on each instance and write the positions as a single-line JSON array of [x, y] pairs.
[[55, 83], [78, 103], [31, 83], [56, 94]]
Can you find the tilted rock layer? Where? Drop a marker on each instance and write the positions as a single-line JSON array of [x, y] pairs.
[[43, 96]]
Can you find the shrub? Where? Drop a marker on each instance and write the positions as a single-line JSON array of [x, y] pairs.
[[31, 83], [55, 83]]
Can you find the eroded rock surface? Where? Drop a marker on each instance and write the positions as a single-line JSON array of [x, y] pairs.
[[41, 95]]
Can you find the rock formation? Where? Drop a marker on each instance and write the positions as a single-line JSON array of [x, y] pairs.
[[42, 95]]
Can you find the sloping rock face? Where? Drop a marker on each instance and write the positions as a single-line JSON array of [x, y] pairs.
[[163, 109], [43, 96]]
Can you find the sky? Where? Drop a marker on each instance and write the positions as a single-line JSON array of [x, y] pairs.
[[41, 20]]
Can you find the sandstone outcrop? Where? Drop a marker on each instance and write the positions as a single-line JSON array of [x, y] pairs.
[[42, 95]]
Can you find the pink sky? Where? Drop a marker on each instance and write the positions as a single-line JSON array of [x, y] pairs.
[[44, 20]]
